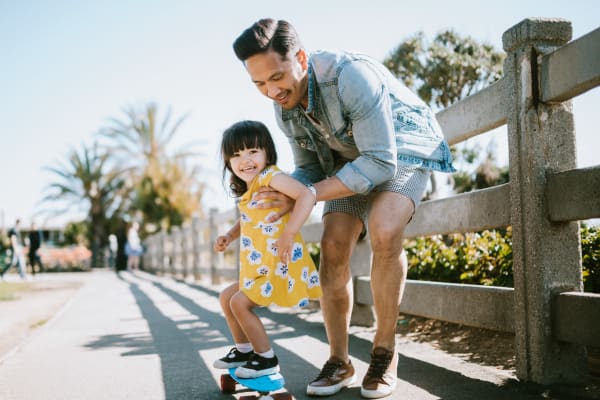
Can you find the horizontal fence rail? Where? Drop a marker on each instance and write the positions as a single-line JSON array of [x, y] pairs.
[[572, 69]]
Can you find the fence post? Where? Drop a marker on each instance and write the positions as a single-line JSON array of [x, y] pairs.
[[546, 255], [213, 231], [161, 252], [196, 257]]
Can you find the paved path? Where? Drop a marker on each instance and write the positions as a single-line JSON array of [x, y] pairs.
[[137, 336]]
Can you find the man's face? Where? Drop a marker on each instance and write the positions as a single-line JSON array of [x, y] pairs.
[[284, 80]]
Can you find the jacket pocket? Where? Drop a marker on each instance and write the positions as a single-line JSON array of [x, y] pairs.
[[305, 142]]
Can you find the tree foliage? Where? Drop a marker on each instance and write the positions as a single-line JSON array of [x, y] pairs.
[[85, 182], [447, 70], [165, 189]]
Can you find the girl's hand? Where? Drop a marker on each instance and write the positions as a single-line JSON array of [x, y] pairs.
[[285, 244], [222, 242]]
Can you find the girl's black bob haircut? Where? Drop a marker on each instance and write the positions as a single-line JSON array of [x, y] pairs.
[[245, 135]]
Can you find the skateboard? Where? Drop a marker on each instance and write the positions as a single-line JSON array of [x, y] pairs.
[[264, 385]]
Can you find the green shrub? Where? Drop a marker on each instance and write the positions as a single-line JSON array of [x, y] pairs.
[[483, 258], [590, 251]]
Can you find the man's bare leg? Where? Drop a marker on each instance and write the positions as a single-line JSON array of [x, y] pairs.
[[340, 233], [389, 215]]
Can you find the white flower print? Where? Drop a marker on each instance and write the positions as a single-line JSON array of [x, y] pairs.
[[313, 280], [303, 302], [271, 248], [297, 251], [281, 270], [304, 274], [246, 243], [267, 229], [291, 284], [245, 218], [265, 172], [248, 283], [266, 289], [254, 257], [263, 270]]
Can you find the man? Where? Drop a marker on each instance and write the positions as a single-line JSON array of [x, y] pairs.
[[35, 241], [368, 144], [16, 247]]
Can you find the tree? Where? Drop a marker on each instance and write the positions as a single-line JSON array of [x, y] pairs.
[[84, 182], [450, 68], [164, 187]]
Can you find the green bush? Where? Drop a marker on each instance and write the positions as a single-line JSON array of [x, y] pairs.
[[483, 258], [590, 251]]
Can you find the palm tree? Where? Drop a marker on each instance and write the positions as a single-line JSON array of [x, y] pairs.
[[165, 187], [85, 182]]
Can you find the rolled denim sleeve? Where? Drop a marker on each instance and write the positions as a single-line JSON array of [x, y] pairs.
[[307, 167], [366, 101]]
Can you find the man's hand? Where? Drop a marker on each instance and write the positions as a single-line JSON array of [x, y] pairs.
[[271, 198]]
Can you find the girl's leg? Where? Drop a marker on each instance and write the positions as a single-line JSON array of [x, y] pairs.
[[250, 323], [234, 327]]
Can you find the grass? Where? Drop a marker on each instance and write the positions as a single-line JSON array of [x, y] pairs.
[[10, 290]]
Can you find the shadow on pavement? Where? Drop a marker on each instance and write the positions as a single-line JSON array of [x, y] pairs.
[[186, 375]]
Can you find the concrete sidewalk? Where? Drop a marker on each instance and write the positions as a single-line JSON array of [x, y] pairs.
[[137, 336]]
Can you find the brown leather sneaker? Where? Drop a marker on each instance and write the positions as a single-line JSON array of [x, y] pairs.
[[335, 375], [380, 380]]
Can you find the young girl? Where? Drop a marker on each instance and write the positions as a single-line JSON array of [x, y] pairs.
[[275, 267]]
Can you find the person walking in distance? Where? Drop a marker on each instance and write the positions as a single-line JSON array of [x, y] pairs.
[[133, 247], [368, 144], [35, 242], [16, 247]]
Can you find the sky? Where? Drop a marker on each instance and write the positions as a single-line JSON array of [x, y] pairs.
[[66, 67]]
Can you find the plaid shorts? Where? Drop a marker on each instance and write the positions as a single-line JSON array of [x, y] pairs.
[[410, 181]]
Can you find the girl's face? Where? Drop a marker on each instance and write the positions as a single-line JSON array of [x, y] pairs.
[[248, 163]]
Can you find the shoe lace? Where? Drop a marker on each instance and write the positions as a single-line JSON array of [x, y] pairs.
[[329, 369], [379, 364]]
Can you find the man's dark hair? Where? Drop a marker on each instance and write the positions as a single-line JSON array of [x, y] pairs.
[[264, 35]]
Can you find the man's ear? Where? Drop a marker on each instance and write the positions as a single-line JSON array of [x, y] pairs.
[[302, 58]]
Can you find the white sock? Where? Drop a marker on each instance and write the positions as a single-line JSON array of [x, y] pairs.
[[244, 347], [267, 354]]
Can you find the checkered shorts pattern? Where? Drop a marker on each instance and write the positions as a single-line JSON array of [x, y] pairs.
[[410, 181]]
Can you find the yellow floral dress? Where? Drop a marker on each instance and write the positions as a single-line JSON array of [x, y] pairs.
[[263, 277]]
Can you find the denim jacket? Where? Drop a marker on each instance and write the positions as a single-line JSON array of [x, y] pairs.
[[360, 122]]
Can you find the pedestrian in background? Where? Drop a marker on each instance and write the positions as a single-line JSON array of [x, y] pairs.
[[36, 239], [16, 248], [133, 247]]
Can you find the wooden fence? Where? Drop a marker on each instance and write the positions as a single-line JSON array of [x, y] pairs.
[[552, 318]]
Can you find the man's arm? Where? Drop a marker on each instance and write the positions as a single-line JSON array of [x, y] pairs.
[[366, 101]]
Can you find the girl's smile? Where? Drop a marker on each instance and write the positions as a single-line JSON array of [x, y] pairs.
[[248, 163]]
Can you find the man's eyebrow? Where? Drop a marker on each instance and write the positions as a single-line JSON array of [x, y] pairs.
[[269, 77]]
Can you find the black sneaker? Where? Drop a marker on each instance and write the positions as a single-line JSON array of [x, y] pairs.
[[233, 359], [257, 366]]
